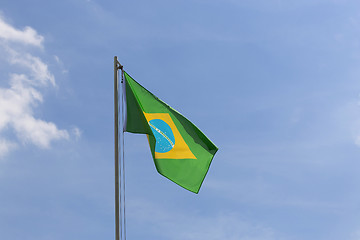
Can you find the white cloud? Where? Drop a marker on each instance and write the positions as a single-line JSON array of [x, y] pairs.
[[37, 131], [23, 94], [27, 36], [38, 69]]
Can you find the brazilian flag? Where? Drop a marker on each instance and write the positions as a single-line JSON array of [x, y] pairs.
[[181, 152]]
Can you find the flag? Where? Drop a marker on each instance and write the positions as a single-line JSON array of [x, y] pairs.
[[181, 152]]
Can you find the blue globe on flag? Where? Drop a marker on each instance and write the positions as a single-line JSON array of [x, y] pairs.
[[165, 140]]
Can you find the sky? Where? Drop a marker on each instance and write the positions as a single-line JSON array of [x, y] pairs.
[[273, 83]]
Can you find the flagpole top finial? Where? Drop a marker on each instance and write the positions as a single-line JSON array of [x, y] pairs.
[[117, 64]]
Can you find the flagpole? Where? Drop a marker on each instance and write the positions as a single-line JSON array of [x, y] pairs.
[[116, 148]]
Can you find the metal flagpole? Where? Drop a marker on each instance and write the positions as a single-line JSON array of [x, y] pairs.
[[120, 223], [116, 140]]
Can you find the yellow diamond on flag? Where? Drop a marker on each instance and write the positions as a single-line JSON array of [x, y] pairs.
[[169, 142]]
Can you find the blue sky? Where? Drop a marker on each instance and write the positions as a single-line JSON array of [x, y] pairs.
[[274, 84]]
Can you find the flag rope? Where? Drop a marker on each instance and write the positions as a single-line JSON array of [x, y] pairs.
[[120, 164], [123, 150]]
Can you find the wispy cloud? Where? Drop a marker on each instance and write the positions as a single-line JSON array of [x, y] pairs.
[[23, 94], [26, 36], [37, 69], [61, 64]]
